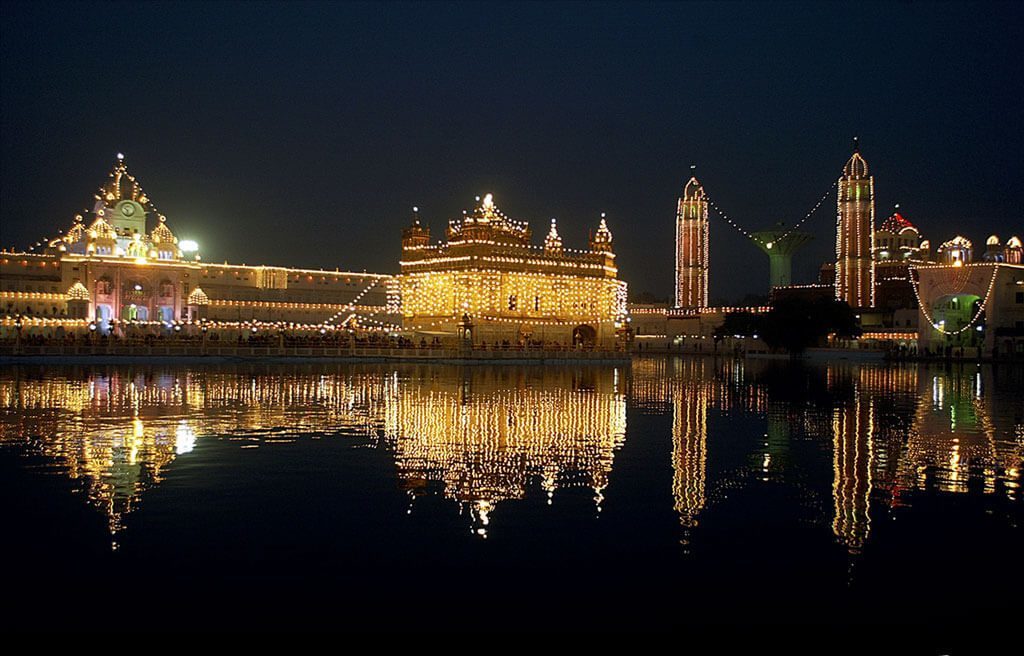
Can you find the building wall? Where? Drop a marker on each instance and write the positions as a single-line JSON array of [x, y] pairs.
[[509, 306], [1000, 290], [122, 288]]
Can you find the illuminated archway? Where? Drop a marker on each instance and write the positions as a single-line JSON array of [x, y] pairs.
[[584, 335], [952, 312]]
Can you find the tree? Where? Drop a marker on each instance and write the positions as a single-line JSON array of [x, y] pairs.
[[794, 324]]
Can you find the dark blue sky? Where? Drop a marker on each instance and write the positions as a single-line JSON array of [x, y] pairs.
[[302, 134]]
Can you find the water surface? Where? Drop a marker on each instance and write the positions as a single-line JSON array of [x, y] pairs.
[[510, 497]]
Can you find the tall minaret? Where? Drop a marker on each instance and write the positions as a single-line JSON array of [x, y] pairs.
[[855, 234], [692, 247]]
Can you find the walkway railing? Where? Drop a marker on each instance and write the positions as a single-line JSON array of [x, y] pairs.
[[199, 350]]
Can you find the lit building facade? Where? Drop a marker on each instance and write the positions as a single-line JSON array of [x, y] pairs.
[[486, 283], [122, 263], [692, 262], [855, 228], [897, 245], [968, 303]]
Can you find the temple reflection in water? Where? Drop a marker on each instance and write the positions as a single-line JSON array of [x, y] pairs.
[[481, 436], [484, 433], [486, 436], [888, 431]]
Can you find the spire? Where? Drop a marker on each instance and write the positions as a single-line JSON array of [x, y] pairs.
[[602, 239], [416, 235], [856, 166], [693, 190], [603, 233], [553, 242]]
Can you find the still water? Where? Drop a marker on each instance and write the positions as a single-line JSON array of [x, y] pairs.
[[409, 496]]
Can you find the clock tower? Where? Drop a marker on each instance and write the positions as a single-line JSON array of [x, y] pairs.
[[128, 217], [122, 203]]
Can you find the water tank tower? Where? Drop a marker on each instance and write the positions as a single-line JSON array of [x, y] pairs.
[[780, 246]]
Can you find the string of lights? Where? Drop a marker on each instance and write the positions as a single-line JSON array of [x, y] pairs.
[[940, 325], [749, 235], [351, 305]]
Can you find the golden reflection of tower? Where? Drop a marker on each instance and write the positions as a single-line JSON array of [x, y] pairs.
[[689, 451], [690, 400], [852, 462]]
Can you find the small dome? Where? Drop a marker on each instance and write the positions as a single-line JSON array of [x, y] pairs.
[[957, 242], [100, 229], [162, 234], [992, 241], [856, 167], [1013, 242], [198, 297], [693, 190], [925, 245], [78, 292], [896, 224]]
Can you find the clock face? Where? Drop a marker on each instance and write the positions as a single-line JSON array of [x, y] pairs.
[[128, 209]]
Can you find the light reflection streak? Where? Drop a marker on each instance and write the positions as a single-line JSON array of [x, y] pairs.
[[482, 437]]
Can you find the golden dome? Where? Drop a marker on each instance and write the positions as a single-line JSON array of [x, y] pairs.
[[78, 292]]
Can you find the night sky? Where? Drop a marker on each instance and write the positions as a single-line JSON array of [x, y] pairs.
[[302, 135]]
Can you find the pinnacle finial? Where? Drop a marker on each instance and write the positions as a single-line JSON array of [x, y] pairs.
[[856, 144]]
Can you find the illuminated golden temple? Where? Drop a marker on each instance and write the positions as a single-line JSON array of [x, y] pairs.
[[488, 284]]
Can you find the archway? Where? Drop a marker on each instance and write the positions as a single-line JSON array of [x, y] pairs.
[[103, 315], [955, 312], [584, 335]]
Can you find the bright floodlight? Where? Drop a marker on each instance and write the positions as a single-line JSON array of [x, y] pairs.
[[188, 246]]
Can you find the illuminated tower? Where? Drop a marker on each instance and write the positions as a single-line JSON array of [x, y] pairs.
[[855, 229], [692, 247]]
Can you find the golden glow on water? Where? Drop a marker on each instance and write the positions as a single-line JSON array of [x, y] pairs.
[[853, 448], [482, 433], [689, 452], [484, 436], [487, 437]]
